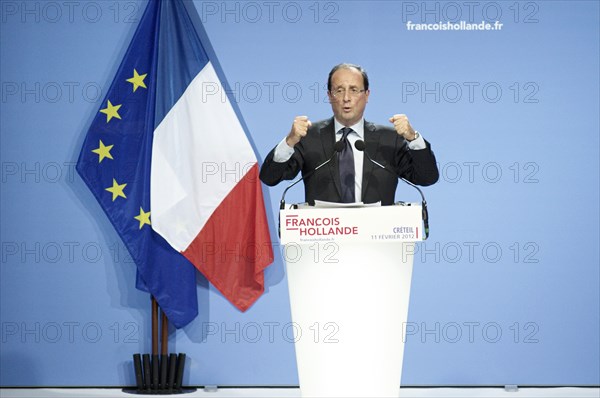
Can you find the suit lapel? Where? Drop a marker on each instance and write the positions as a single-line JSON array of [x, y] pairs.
[[371, 147], [328, 133]]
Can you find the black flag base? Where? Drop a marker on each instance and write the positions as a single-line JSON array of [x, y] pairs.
[[158, 374]]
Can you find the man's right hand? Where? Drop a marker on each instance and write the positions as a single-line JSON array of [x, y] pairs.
[[299, 128]]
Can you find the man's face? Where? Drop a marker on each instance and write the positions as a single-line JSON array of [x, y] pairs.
[[347, 96]]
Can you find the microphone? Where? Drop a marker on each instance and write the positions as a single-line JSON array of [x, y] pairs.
[[337, 148], [361, 146]]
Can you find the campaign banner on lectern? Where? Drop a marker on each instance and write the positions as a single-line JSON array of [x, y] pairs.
[[367, 224]]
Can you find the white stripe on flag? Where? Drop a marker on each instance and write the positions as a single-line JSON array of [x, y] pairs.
[[199, 153]]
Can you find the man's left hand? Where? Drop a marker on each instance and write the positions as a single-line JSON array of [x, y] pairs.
[[403, 127]]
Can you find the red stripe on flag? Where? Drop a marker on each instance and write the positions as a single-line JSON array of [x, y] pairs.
[[234, 247]]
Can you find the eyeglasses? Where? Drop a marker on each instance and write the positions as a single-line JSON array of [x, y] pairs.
[[341, 93]]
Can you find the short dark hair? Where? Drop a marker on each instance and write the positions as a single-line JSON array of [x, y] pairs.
[[349, 66]]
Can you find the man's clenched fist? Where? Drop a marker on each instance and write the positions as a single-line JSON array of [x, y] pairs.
[[299, 129], [403, 127]]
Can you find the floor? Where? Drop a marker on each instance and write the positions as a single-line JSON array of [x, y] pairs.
[[529, 392]]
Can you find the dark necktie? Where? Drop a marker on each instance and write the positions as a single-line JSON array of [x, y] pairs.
[[346, 165]]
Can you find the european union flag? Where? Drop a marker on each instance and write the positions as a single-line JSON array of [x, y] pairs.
[[115, 163]]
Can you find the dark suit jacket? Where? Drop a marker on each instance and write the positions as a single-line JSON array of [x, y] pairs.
[[383, 144]]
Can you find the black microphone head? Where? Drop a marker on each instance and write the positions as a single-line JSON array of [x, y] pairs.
[[360, 145], [339, 146]]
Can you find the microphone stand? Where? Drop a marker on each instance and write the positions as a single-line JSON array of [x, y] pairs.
[[338, 147], [360, 145]]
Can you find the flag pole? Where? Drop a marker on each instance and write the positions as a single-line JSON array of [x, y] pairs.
[[154, 326], [165, 383], [159, 373], [155, 364], [164, 335]]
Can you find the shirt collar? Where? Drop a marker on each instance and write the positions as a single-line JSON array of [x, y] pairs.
[[358, 128]]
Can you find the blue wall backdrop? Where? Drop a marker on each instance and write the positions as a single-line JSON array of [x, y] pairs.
[[506, 291]]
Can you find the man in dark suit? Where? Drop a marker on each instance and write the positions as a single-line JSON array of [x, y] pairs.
[[350, 176]]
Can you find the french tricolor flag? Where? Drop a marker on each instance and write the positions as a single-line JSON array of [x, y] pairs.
[[206, 196], [174, 170]]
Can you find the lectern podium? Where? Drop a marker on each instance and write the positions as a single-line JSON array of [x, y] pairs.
[[349, 273]]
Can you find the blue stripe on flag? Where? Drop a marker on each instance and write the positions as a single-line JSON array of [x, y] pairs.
[[182, 56]]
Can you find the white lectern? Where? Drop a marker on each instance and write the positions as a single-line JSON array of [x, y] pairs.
[[349, 273]]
